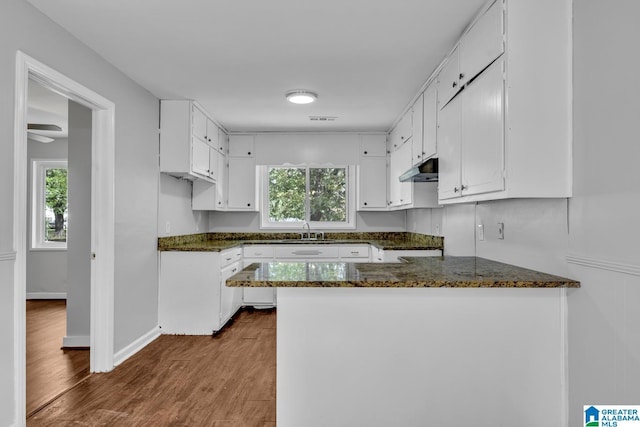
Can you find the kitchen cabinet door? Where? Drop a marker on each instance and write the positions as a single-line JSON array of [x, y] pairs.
[[198, 123], [221, 184], [482, 154], [230, 297], [200, 157], [241, 146], [417, 131], [372, 183], [373, 145], [430, 123], [395, 170], [212, 134], [241, 185], [406, 188], [449, 79], [483, 43], [189, 293], [449, 123]]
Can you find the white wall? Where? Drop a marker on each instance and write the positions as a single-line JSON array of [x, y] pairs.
[[604, 232], [46, 269], [425, 221], [307, 148], [79, 231], [136, 186], [174, 209]]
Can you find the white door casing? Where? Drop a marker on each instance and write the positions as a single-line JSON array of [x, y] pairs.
[[102, 216]]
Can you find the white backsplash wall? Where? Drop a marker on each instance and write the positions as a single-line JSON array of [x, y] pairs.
[[458, 229], [250, 222], [535, 233], [175, 216], [425, 221]]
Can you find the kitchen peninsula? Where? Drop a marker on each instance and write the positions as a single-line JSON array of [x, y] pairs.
[[432, 341]]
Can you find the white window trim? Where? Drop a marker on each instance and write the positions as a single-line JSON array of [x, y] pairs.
[[350, 224], [38, 168]]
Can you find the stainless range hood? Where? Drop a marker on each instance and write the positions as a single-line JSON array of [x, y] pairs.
[[426, 172]]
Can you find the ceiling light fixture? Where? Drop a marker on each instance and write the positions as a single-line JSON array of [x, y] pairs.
[[300, 96]]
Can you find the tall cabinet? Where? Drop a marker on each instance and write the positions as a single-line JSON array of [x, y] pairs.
[[504, 105]]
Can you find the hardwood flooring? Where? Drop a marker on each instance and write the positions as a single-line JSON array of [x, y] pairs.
[[225, 381], [50, 370]]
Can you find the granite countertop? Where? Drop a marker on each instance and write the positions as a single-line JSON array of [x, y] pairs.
[[416, 272], [215, 242]]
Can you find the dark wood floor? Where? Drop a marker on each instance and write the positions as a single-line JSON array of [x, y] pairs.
[[229, 380], [50, 370]]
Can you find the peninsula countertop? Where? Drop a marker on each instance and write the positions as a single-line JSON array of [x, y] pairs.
[[415, 272]]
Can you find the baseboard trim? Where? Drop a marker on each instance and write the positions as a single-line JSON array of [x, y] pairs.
[[8, 256], [76, 341], [601, 264], [136, 346], [46, 295]]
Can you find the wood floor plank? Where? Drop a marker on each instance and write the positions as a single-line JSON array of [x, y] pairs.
[[227, 380], [50, 370]]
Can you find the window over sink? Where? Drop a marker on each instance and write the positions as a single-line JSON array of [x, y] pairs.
[[320, 195]]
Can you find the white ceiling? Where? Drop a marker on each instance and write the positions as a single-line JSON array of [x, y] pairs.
[[365, 58]]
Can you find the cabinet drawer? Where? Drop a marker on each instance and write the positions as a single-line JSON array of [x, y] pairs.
[[307, 251], [230, 256], [355, 251], [258, 251]]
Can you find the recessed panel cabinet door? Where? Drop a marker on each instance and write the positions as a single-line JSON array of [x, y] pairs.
[[200, 157], [429, 123], [483, 133], [449, 150], [372, 183], [242, 184], [449, 79], [483, 43]]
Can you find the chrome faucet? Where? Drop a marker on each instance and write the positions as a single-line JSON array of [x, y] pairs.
[[306, 224]]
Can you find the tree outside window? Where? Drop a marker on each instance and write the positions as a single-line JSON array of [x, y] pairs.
[[49, 204], [317, 195]]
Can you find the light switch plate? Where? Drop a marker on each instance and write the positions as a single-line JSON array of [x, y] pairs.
[[480, 232], [501, 230]]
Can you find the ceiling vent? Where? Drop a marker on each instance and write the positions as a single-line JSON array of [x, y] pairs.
[[323, 118]]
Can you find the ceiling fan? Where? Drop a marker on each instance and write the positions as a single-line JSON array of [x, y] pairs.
[[32, 133]]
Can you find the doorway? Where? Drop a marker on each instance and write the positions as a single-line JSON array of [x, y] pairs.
[[102, 215]]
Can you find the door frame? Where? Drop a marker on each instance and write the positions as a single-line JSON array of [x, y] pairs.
[[102, 216]]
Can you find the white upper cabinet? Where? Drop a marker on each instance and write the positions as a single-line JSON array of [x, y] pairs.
[[241, 174], [483, 43], [430, 123], [449, 79], [185, 149], [416, 138], [401, 133], [471, 138], [373, 145], [241, 146], [372, 173], [507, 132]]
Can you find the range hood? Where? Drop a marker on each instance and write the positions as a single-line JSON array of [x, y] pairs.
[[426, 172]]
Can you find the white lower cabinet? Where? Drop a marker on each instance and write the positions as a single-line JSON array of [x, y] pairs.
[[381, 255], [259, 297], [192, 297]]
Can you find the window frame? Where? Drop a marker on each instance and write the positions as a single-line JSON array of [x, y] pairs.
[[38, 203], [349, 224]]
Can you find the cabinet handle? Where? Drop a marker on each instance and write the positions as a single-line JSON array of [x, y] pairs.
[[365, 203], [419, 156], [366, 152], [455, 189], [234, 270], [461, 76], [454, 84], [402, 137], [248, 204], [249, 153], [464, 187]]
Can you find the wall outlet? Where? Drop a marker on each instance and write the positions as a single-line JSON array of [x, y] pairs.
[[167, 227], [501, 230], [480, 232]]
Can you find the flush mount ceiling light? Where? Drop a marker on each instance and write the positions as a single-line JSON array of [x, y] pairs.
[[300, 96]]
